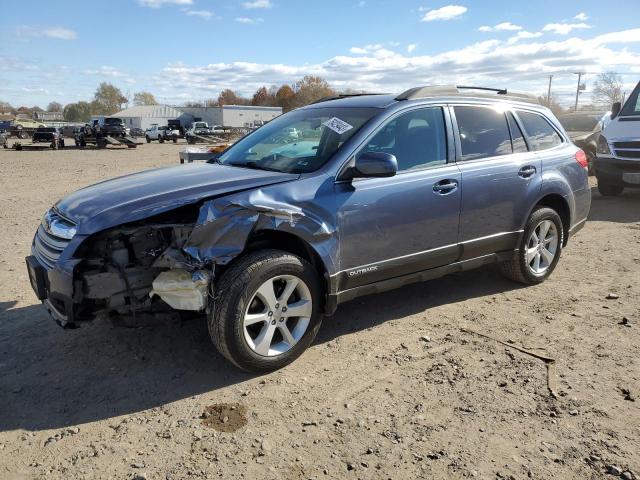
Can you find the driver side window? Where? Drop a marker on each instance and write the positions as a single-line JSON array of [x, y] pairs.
[[416, 138]]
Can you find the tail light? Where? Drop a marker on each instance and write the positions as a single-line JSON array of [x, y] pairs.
[[581, 158]]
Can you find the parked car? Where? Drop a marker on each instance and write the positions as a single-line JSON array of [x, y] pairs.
[[48, 135], [617, 163], [584, 128], [137, 132], [160, 133], [399, 189], [109, 127]]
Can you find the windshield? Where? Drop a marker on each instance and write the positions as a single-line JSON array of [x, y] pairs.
[[632, 105], [580, 123], [199, 125], [113, 121], [298, 142]]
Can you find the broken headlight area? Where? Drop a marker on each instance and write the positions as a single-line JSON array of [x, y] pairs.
[[140, 268]]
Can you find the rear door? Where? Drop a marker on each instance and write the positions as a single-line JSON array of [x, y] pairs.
[[396, 226], [499, 177]]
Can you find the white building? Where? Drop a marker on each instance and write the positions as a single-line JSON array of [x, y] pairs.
[[232, 115], [144, 116]]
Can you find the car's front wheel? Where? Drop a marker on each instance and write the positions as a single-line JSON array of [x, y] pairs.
[[147, 139], [265, 310], [539, 250]]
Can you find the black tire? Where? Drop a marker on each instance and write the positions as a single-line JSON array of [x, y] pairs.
[[609, 189], [23, 135], [160, 139], [517, 269], [147, 138], [175, 140], [237, 286]]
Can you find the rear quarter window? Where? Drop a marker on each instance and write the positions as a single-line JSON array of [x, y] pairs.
[[484, 132], [540, 133]]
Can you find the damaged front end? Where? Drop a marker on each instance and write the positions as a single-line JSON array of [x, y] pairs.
[[169, 262], [131, 268]]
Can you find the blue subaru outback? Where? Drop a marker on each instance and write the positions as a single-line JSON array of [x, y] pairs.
[[345, 197]]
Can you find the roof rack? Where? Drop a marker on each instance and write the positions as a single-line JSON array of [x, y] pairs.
[[344, 95], [442, 90]]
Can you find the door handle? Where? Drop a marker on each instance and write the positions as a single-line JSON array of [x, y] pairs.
[[444, 187], [527, 171]]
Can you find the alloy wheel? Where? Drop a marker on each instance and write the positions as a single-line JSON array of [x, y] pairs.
[[278, 315], [542, 247]]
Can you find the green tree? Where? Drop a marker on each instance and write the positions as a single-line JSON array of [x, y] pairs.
[[54, 107], [108, 99], [77, 112], [144, 98]]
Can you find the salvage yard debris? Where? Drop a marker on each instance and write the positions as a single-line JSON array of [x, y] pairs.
[[549, 362]]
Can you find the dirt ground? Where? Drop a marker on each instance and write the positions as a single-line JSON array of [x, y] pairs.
[[392, 388]]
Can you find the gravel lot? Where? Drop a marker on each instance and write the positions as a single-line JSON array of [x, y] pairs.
[[392, 388]]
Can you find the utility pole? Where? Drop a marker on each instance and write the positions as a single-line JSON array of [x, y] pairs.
[[549, 91], [578, 88]]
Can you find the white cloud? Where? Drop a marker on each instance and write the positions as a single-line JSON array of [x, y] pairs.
[[106, 71], [249, 21], [504, 26], [523, 66], [411, 48], [204, 14], [582, 17], [564, 28], [57, 33], [161, 3], [444, 13], [60, 33], [521, 35], [258, 4]]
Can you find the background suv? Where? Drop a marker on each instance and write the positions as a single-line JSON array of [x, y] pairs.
[[384, 191]]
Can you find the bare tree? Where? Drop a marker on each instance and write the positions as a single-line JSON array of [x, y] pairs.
[[54, 107], [607, 89], [144, 98]]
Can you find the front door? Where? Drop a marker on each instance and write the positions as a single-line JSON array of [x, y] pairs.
[[395, 226]]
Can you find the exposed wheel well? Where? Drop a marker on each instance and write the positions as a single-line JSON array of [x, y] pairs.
[[292, 244], [560, 205]]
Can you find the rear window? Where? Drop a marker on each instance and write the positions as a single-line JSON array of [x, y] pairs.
[[113, 121], [541, 134], [483, 132]]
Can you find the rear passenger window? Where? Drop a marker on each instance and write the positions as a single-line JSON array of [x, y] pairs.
[[540, 133], [416, 138], [519, 145], [483, 132]]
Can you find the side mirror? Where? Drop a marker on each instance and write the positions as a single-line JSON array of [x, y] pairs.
[[375, 164], [615, 109]]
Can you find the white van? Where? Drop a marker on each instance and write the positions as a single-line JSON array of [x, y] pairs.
[[617, 163]]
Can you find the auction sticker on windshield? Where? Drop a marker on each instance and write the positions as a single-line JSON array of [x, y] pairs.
[[337, 125]]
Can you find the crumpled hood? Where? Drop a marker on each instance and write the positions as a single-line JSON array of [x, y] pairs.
[[141, 195]]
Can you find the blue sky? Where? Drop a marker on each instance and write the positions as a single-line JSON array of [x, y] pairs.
[[191, 49]]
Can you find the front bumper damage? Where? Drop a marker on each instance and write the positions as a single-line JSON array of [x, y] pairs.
[[152, 266]]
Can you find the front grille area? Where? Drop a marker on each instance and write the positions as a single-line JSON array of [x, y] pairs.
[[635, 144], [47, 247], [627, 149]]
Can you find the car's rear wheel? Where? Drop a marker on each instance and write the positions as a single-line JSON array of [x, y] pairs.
[[265, 310], [609, 189], [539, 250]]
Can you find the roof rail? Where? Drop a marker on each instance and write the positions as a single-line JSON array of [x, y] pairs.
[[344, 95], [441, 90], [429, 91]]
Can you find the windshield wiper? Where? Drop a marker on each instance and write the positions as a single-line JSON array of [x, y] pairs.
[[252, 164]]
